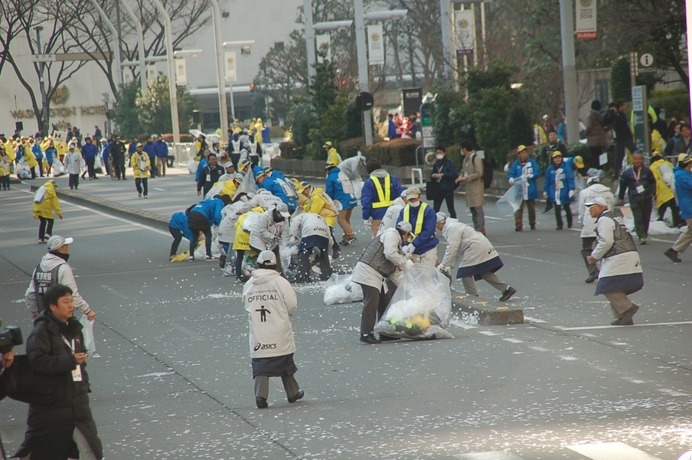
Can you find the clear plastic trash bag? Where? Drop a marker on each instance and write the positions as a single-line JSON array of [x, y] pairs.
[[511, 200], [420, 308], [340, 289]]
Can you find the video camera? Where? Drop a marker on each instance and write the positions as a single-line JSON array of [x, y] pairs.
[[10, 337]]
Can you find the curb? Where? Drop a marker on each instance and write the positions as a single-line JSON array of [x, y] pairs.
[[490, 313], [111, 207]]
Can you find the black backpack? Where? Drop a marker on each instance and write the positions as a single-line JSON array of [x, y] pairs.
[[487, 171]]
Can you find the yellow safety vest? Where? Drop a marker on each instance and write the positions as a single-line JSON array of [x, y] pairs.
[[419, 219], [663, 192], [384, 197]]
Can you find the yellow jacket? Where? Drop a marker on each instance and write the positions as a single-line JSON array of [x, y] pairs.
[[29, 156], [229, 188], [4, 165], [657, 142], [663, 191], [242, 238], [320, 204], [333, 157], [50, 203], [137, 160]]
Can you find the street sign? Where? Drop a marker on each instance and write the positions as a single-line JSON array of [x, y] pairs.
[[646, 60]]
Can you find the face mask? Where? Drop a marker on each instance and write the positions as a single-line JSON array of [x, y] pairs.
[[414, 204], [64, 257], [439, 157], [278, 217]]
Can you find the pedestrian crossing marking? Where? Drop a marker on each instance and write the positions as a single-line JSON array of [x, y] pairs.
[[488, 333], [513, 340], [585, 328], [489, 456], [610, 451]]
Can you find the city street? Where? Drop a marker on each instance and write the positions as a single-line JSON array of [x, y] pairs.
[[172, 376]]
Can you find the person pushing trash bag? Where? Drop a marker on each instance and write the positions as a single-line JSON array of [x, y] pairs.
[[270, 301], [473, 254], [376, 272], [310, 233]]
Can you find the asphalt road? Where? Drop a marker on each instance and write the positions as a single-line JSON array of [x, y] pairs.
[[172, 378]]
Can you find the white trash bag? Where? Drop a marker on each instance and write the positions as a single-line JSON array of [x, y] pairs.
[[88, 332], [340, 289], [420, 308], [511, 200]]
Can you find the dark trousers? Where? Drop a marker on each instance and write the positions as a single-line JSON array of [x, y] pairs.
[[594, 160], [587, 245], [620, 147], [674, 210], [40, 166], [305, 268], [240, 255], [177, 238], [235, 159], [154, 170], [73, 180], [33, 172], [558, 215], [45, 227], [5, 182], [519, 215], [142, 185], [375, 302], [448, 198], [641, 212], [289, 382], [198, 223], [279, 268], [119, 166], [90, 167]]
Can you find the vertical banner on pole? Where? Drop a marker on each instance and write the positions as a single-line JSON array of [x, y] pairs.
[[375, 44], [464, 31], [323, 47], [231, 68], [151, 73], [586, 20], [180, 72]]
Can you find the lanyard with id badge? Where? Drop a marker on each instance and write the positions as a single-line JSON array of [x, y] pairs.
[[640, 187], [76, 372]]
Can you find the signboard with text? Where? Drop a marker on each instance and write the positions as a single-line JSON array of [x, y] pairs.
[[586, 20]]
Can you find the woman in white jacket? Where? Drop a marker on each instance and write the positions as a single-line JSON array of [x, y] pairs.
[[588, 224], [270, 301]]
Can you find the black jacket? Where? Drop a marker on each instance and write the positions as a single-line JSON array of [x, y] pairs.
[[49, 432], [628, 180], [209, 176]]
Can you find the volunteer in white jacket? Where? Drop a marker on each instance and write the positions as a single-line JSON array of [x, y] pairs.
[[266, 231], [54, 269], [308, 231], [621, 271], [73, 165], [593, 189], [392, 213], [270, 301], [475, 256], [374, 271]]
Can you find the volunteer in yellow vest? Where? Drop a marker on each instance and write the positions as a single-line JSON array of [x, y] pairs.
[[333, 156], [379, 191], [46, 203], [423, 242], [319, 203], [241, 243], [141, 167], [665, 184], [30, 158]]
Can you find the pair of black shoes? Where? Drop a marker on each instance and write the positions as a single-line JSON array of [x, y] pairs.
[[262, 402], [508, 293], [626, 318]]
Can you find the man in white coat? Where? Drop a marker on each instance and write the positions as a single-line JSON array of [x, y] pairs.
[[588, 224], [73, 165], [270, 301], [473, 254], [266, 231], [621, 271], [374, 271], [310, 231], [54, 269]]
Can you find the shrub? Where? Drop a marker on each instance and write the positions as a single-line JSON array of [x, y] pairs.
[[290, 150], [396, 152], [677, 100], [620, 82]]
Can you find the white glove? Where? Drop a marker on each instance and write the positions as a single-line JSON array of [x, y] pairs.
[[293, 241], [368, 224], [529, 176], [408, 265], [408, 249], [511, 181], [570, 193]]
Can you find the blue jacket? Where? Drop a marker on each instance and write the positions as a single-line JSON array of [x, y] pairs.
[[449, 174], [369, 196], [336, 192], [160, 149], [202, 163], [279, 187], [179, 221], [211, 209], [426, 239], [51, 152], [533, 172], [90, 151], [38, 153], [105, 152], [566, 179], [683, 189], [132, 148], [149, 148]]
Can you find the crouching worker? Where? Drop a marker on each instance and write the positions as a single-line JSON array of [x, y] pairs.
[[378, 264], [309, 232], [270, 301], [475, 256]]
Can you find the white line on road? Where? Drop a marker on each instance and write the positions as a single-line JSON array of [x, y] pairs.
[[586, 328], [531, 319], [510, 340], [160, 189], [610, 451], [488, 333]]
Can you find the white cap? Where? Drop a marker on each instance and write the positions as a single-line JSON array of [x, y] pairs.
[[593, 180], [596, 200], [404, 226], [55, 242], [283, 210], [441, 217], [266, 258], [412, 192]]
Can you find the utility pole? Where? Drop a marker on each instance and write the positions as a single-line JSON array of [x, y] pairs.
[[42, 81], [569, 69], [363, 77], [309, 40]]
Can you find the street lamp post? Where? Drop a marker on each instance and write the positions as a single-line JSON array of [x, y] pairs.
[[235, 44], [171, 72], [42, 83], [309, 40], [220, 70], [118, 75], [363, 78], [140, 45]]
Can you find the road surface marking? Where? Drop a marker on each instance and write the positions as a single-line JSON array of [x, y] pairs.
[[489, 456], [534, 320], [568, 358], [488, 333], [586, 328], [513, 340], [537, 348], [610, 451]]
